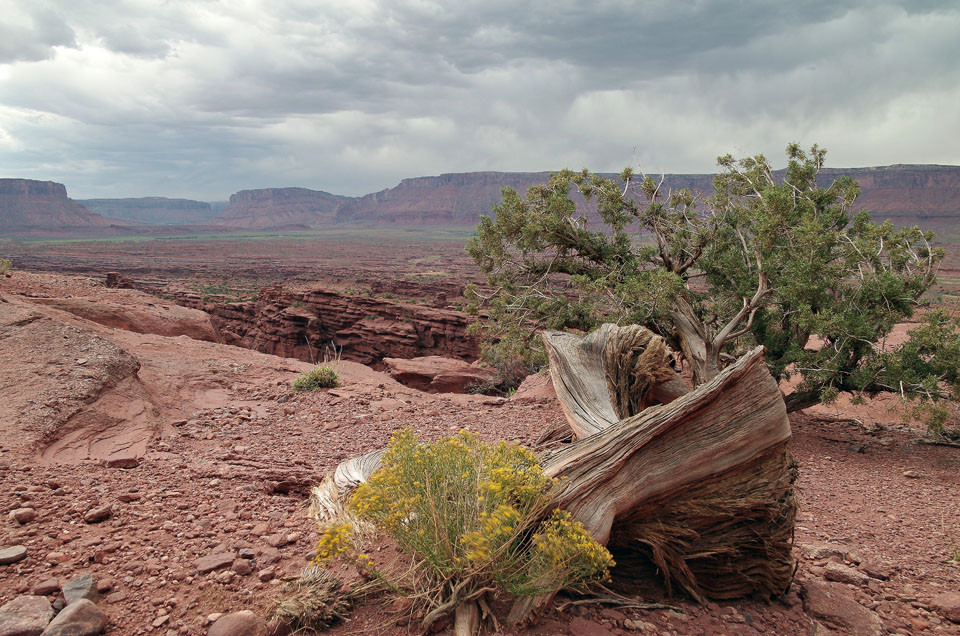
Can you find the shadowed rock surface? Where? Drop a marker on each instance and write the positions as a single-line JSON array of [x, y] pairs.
[[304, 325]]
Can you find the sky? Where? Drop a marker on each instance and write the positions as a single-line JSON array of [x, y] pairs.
[[202, 98]]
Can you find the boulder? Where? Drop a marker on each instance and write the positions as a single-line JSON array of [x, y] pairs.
[[244, 623], [535, 387], [25, 616], [82, 587], [213, 562], [12, 554], [947, 605], [437, 374], [843, 574], [23, 515], [82, 618], [834, 604]]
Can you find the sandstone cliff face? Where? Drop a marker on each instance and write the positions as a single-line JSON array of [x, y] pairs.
[[907, 194], [152, 210], [280, 207], [449, 199], [26, 204], [302, 324]]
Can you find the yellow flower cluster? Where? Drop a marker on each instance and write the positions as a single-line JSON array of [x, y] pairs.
[[496, 529], [336, 540], [563, 542], [466, 508]]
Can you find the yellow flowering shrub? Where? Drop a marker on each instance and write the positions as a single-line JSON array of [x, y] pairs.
[[465, 509]]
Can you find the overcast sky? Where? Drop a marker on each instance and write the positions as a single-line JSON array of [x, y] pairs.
[[201, 98]]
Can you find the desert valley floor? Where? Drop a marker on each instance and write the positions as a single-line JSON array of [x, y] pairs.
[[175, 468]]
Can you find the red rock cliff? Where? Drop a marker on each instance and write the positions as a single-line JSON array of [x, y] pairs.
[[279, 207], [26, 204]]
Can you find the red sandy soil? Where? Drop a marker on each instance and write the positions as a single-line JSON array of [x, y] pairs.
[[229, 452]]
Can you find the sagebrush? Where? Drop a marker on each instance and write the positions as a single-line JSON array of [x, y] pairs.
[[321, 377], [474, 518]]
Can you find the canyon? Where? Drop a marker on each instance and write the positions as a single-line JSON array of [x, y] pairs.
[[316, 325]]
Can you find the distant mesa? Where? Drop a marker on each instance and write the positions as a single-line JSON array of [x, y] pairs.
[[27, 205], [448, 199], [153, 210], [907, 194], [275, 208], [928, 195]]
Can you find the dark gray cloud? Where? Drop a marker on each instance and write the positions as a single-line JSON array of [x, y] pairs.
[[203, 98]]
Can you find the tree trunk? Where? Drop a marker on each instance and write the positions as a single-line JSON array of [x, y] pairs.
[[695, 344], [799, 400], [700, 488]]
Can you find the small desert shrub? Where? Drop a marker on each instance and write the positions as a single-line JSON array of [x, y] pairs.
[[471, 516], [5, 266], [322, 377], [314, 602]]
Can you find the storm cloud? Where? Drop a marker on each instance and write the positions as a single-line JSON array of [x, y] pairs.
[[202, 98]]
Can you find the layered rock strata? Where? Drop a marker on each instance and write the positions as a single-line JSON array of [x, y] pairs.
[[311, 325]]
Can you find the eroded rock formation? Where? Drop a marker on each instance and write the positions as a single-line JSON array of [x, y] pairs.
[[309, 324]]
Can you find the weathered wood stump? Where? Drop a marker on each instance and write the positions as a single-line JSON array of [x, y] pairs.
[[697, 482], [701, 486]]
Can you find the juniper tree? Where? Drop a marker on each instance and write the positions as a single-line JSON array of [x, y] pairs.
[[770, 258]]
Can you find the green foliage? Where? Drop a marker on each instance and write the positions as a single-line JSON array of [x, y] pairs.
[[470, 514], [321, 377], [5, 266], [771, 259]]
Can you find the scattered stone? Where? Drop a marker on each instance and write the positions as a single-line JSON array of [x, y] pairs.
[[49, 586], [636, 625], [244, 623], [266, 575], [820, 551], [912, 474], [82, 618], [241, 567], [842, 574], [878, 569], [12, 554], [25, 616], [122, 459], [277, 540], [947, 605], [98, 514], [23, 515], [82, 587], [832, 603], [213, 562], [580, 626]]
